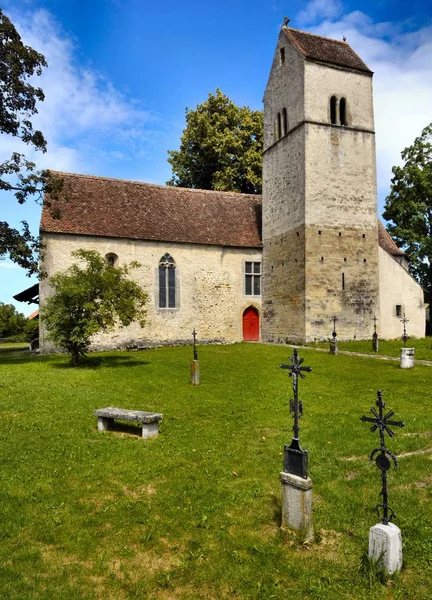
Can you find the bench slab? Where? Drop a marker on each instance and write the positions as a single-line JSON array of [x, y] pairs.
[[149, 421]]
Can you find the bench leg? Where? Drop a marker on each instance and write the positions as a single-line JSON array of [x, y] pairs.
[[103, 423], [150, 430]]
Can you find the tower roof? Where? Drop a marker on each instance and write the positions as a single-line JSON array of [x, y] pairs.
[[321, 49]]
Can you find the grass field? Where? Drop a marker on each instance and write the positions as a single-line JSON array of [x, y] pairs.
[[195, 513]]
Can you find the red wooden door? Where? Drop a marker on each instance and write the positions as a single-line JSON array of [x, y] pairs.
[[251, 325]]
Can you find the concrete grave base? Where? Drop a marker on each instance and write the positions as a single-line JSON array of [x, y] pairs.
[[334, 349], [385, 546], [297, 504], [407, 358], [195, 372]]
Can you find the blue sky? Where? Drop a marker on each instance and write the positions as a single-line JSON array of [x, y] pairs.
[[121, 73]]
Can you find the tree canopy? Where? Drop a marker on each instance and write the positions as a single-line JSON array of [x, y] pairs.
[[408, 207], [13, 324], [221, 148], [18, 97], [89, 298]]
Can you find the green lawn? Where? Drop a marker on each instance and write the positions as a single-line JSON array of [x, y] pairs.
[[195, 513], [423, 347]]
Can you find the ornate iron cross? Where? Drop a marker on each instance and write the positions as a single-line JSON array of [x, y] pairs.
[[381, 421], [295, 459], [335, 320], [195, 353], [405, 337]]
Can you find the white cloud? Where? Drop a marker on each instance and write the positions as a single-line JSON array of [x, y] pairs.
[[319, 9], [402, 65], [82, 111]]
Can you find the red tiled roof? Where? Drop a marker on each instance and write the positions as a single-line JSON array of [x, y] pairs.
[[102, 206], [386, 242], [325, 50]]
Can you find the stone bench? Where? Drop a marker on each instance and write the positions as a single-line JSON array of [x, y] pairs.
[[149, 421]]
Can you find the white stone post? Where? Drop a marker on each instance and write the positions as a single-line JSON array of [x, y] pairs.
[[103, 423], [195, 372], [385, 546], [150, 430], [297, 504], [407, 358]]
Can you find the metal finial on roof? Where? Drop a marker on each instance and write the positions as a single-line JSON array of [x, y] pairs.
[[286, 21]]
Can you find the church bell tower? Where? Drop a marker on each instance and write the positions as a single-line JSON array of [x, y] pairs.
[[320, 227]]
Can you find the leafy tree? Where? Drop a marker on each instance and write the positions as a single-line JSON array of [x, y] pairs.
[[409, 207], [221, 148], [18, 97], [12, 323], [88, 299]]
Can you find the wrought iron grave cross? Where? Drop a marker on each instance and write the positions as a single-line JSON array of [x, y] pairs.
[[381, 421], [375, 335], [195, 353], [335, 320], [295, 459], [405, 336]]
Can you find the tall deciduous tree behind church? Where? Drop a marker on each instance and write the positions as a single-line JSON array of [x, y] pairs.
[[18, 98], [221, 148], [409, 207]]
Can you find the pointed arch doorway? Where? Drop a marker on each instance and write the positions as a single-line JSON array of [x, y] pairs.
[[251, 325]]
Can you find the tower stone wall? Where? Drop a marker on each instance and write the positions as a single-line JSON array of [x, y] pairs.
[[320, 232]]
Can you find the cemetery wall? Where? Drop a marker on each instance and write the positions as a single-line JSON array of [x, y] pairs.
[[399, 288], [210, 288]]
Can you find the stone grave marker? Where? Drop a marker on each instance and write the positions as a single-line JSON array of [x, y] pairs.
[[385, 540], [296, 485]]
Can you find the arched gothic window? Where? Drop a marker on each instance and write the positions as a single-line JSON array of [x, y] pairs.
[[284, 121], [279, 126], [167, 291], [333, 107], [342, 111]]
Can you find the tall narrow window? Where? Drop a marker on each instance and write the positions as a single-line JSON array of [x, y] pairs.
[[333, 105], [342, 111], [279, 127], [343, 281], [167, 292], [284, 121], [252, 278], [282, 56]]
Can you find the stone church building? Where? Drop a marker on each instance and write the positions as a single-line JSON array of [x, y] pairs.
[[241, 267]]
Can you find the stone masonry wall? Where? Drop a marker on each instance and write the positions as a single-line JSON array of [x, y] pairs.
[[341, 280], [210, 286], [284, 287], [398, 287]]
